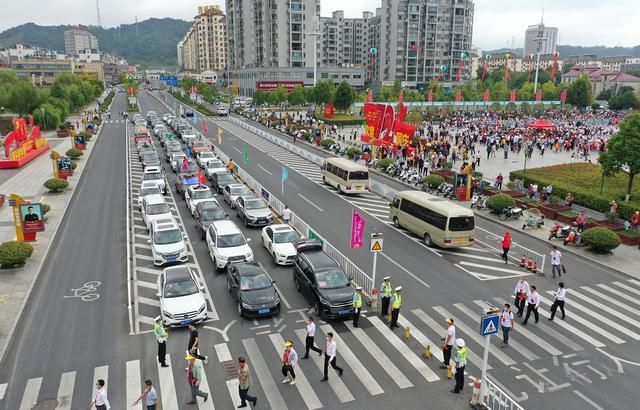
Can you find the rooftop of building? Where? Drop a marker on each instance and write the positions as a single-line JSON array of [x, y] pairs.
[[596, 73]]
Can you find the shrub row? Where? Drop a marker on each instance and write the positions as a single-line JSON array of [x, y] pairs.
[[14, 254]]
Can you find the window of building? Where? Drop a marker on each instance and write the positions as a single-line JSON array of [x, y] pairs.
[[322, 75]]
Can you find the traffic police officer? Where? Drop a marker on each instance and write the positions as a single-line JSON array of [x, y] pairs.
[[461, 362], [161, 338], [396, 302], [385, 293], [357, 305]]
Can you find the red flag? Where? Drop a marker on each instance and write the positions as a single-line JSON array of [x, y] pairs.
[[563, 96], [430, 96], [512, 96], [485, 95], [486, 65], [201, 177], [204, 125], [538, 95], [555, 65], [458, 96], [463, 57]]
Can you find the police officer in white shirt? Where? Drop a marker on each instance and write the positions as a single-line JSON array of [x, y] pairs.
[[521, 293], [533, 301], [556, 260], [309, 341], [558, 302]]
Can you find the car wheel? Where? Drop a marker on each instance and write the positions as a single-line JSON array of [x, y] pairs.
[[275, 258], [228, 286], [427, 239], [239, 309], [340, 189], [246, 223], [396, 222]]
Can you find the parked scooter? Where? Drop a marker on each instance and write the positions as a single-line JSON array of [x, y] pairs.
[[510, 213], [533, 219], [477, 201], [574, 237], [560, 231]]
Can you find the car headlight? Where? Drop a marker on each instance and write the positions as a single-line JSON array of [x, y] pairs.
[[277, 301], [184, 249], [167, 314], [221, 257], [251, 218], [246, 306], [202, 308], [249, 255], [324, 302]]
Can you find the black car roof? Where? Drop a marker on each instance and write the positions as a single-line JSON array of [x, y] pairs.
[[320, 260], [248, 269], [177, 274]]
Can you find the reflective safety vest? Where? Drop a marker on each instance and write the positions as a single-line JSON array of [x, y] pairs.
[[357, 300], [397, 301], [461, 357], [386, 289], [159, 332]]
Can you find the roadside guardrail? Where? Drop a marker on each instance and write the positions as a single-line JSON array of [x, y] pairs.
[[498, 399]]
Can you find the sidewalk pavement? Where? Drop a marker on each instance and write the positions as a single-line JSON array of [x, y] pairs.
[[623, 259], [27, 182]]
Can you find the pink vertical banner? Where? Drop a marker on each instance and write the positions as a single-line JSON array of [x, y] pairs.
[[357, 230]]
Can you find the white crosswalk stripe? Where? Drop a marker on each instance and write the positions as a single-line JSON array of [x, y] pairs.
[[628, 288], [612, 300], [261, 371], [167, 385], [224, 355], [575, 331], [133, 382], [615, 313], [31, 392], [65, 390]]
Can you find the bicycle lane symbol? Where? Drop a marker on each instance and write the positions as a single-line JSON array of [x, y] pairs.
[[86, 292]]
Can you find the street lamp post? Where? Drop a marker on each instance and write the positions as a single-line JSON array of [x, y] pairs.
[[315, 36]]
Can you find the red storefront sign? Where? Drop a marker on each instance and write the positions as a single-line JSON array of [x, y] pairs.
[[272, 85]]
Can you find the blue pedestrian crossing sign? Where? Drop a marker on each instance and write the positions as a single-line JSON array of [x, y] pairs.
[[489, 325]]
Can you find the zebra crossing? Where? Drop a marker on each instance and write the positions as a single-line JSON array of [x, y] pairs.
[[376, 360], [115, 121], [145, 274]]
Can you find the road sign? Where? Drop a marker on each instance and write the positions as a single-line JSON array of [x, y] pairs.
[[376, 242], [489, 325], [313, 235]]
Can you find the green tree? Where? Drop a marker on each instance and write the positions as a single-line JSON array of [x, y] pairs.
[[623, 151], [605, 95], [280, 95], [23, 98], [323, 91], [499, 91], [525, 93], [624, 101], [549, 91], [298, 96], [579, 93], [344, 96], [259, 97], [471, 92]]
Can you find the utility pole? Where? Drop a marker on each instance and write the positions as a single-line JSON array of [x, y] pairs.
[[98, 13], [136, 26], [315, 36]]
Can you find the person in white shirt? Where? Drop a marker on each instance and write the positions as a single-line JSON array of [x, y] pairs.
[[533, 301], [309, 341], [556, 261], [330, 357], [447, 346], [558, 302], [506, 323], [286, 215], [100, 400], [521, 292]]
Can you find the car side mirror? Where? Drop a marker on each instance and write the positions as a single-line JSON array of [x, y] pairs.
[[273, 282], [158, 294], [148, 240], [248, 239], [184, 236]]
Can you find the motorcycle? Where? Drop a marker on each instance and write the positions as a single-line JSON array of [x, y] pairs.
[[574, 237], [510, 213], [476, 201], [560, 231]]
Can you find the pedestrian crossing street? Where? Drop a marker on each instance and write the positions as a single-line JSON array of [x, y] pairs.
[[376, 360], [147, 306]]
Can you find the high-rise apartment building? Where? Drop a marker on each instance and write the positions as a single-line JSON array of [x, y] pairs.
[[78, 38], [204, 46], [418, 37], [540, 39]]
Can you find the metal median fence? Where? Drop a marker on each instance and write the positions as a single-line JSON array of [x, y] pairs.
[[498, 399]]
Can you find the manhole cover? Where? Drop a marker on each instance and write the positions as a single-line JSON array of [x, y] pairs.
[[49, 404], [230, 369]]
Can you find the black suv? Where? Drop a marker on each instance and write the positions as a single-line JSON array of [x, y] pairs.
[[322, 281]]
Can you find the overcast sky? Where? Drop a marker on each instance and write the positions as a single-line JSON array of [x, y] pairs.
[[497, 23]]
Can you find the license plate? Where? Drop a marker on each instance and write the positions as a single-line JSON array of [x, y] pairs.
[[358, 188], [344, 312], [171, 260], [459, 240], [185, 322], [263, 311]]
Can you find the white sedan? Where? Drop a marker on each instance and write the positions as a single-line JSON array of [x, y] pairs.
[[181, 297], [204, 157], [278, 240], [196, 194]]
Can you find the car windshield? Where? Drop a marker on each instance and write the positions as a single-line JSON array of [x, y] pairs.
[[215, 164], [285, 237], [212, 214], [229, 241], [255, 282], [332, 279], [152, 176], [225, 179], [255, 204], [154, 190], [167, 237], [202, 194], [237, 191], [206, 155], [174, 147], [183, 287], [157, 209]]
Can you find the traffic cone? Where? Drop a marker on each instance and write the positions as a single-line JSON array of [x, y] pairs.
[[530, 264], [449, 372], [475, 396], [523, 262], [427, 352]]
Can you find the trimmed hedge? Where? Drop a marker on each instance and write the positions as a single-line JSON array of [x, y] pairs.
[[583, 181], [446, 165], [498, 202], [45, 208], [14, 254], [74, 153], [600, 239], [351, 152], [384, 163], [74, 165], [433, 180], [326, 143], [56, 185]]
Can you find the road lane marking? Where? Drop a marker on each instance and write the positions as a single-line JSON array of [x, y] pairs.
[[352, 361], [31, 392], [311, 203], [65, 390], [615, 312], [625, 287], [282, 298], [405, 270], [102, 372], [224, 355], [404, 350], [493, 268], [263, 375], [387, 364], [304, 388], [133, 382], [588, 400], [336, 383], [261, 167], [421, 338], [617, 293], [3, 387], [237, 150], [167, 385], [595, 329]]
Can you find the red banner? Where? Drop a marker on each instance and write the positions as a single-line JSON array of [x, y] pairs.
[[485, 95], [430, 96], [458, 96], [204, 126], [538, 95], [357, 230], [512, 96], [563, 96], [329, 110], [373, 115], [555, 65], [272, 85], [404, 133]]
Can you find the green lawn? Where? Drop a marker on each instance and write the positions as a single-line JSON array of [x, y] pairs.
[[583, 181]]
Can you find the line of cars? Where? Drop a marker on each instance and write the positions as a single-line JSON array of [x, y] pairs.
[[316, 275]]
